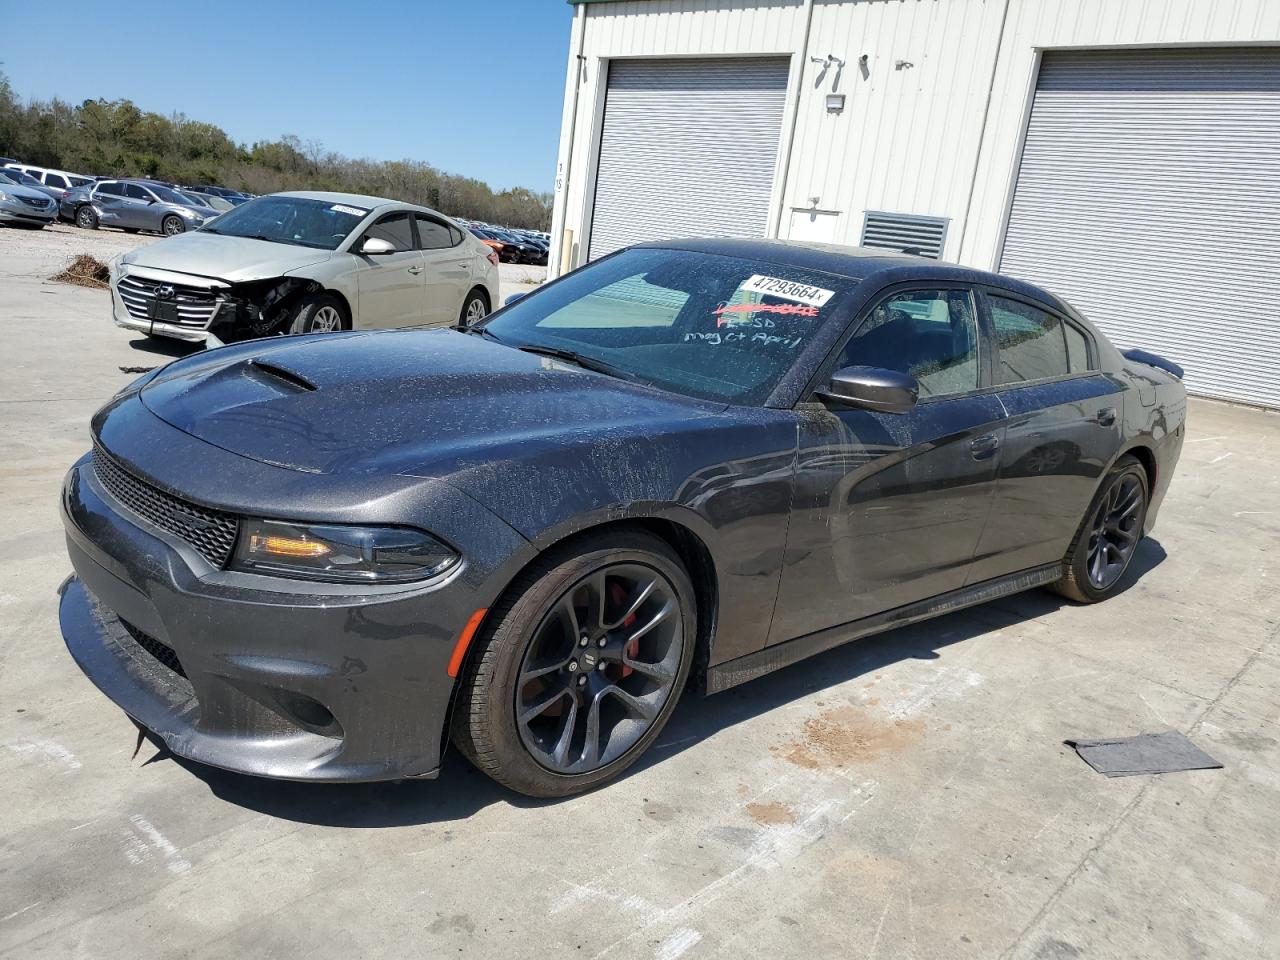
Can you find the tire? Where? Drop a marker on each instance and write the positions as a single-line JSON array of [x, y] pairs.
[[528, 630], [86, 218], [172, 225], [320, 313], [474, 309], [1109, 535]]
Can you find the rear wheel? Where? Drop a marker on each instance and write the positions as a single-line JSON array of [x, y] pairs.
[[87, 218], [1108, 537], [580, 666], [320, 313], [172, 225]]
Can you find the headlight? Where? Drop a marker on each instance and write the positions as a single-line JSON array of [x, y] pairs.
[[339, 553], [3, 195], [187, 212]]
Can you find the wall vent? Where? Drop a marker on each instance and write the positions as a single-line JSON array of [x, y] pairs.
[[907, 232]]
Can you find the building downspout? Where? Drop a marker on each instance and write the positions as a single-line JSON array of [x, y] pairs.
[[562, 237], [795, 115], [982, 132]]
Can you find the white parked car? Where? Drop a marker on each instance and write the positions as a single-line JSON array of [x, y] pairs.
[[306, 263], [54, 179]]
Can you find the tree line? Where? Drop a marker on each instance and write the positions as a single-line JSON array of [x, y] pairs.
[[116, 138]]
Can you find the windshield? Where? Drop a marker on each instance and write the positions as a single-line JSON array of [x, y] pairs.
[[6, 178], [296, 220], [193, 200], [167, 195], [707, 326]]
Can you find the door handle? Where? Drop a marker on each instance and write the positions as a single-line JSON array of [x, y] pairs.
[[985, 447], [1106, 417], [415, 270]]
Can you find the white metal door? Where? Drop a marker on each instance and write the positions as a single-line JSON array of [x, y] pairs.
[[1149, 196], [687, 149]]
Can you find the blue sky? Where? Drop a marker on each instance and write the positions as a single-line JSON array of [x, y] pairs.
[[470, 86]]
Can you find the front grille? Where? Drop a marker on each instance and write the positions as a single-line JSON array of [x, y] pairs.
[[161, 651], [211, 532], [195, 305], [36, 202]]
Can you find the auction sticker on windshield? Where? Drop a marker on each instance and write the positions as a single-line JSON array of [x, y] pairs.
[[354, 211], [787, 290]]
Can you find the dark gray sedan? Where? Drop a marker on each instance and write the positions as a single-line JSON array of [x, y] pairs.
[[319, 557]]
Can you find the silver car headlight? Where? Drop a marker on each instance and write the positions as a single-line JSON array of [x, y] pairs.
[[3, 195], [315, 551]]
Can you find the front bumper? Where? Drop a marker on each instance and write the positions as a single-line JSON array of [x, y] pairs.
[[231, 673], [16, 211]]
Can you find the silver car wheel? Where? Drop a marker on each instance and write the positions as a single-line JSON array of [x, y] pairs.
[[173, 226], [326, 320], [475, 311]]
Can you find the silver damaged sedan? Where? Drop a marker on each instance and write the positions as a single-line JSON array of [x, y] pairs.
[[306, 263]]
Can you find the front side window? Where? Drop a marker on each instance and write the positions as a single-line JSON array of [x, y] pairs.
[[432, 234], [930, 334], [1032, 343], [135, 192], [301, 221], [395, 229], [702, 325]]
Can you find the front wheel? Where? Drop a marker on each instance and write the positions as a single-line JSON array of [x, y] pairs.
[[580, 665], [474, 309], [87, 218], [1108, 537], [319, 313], [172, 226]]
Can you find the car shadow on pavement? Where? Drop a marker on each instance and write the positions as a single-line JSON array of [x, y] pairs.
[[164, 349], [462, 791]]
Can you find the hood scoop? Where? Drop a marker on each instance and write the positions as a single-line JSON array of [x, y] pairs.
[[282, 375]]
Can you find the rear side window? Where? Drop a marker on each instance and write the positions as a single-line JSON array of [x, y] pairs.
[[432, 234], [110, 189], [930, 334], [1032, 342], [1077, 349], [395, 229], [54, 180]]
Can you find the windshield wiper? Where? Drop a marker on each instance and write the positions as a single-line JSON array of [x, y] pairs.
[[587, 363]]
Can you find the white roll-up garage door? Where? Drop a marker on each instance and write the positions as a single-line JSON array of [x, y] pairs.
[[688, 149], [1149, 196]]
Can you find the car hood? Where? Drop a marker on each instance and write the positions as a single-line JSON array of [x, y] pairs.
[[227, 258], [418, 402]]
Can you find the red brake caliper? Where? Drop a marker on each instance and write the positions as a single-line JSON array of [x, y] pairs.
[[633, 646]]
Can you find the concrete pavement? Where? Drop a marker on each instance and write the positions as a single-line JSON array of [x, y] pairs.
[[907, 796]]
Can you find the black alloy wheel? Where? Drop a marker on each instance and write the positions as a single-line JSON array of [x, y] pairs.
[[578, 667], [601, 666], [1108, 538]]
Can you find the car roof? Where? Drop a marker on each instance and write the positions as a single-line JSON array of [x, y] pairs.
[[859, 263], [353, 199]]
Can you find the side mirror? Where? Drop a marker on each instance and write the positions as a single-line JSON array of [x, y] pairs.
[[513, 298], [872, 388], [375, 247]]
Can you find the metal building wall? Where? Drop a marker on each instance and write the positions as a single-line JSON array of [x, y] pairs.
[[940, 137]]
